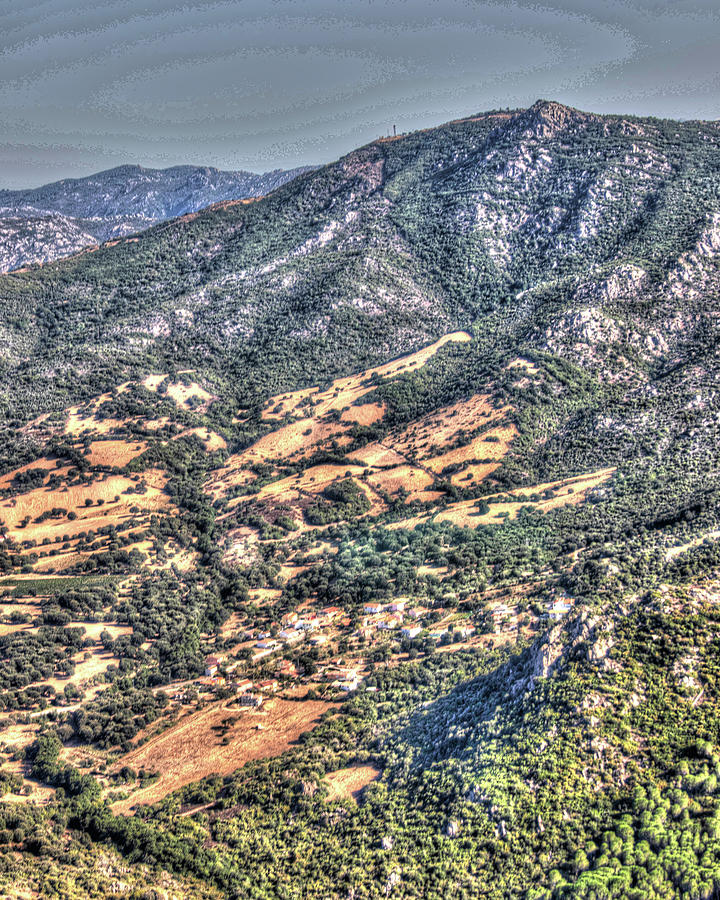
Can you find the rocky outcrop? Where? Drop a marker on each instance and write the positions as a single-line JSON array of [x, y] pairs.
[[587, 635]]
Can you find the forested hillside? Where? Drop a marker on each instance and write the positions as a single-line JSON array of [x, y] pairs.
[[362, 541]]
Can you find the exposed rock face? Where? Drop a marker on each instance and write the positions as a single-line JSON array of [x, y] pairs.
[[452, 828], [30, 236], [586, 635]]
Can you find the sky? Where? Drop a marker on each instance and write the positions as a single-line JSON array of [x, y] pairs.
[[264, 84]]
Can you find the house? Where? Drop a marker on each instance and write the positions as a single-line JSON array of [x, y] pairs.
[[210, 682], [242, 686], [500, 611], [286, 669], [211, 665], [389, 624], [465, 630], [397, 606], [328, 614], [371, 608], [289, 618], [270, 685], [254, 700], [417, 612], [290, 636], [412, 632], [346, 674], [266, 644], [182, 696], [558, 609]]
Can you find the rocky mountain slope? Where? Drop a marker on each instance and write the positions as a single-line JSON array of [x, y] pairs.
[[590, 236], [423, 445], [59, 219]]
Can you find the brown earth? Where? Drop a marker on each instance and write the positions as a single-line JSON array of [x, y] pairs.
[[347, 784], [193, 748]]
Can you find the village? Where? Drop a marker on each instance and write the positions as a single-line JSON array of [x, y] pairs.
[[333, 654]]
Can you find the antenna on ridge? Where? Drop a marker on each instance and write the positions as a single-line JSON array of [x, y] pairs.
[[394, 130]]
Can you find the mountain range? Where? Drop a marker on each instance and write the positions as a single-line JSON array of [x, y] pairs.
[[362, 540], [62, 218]]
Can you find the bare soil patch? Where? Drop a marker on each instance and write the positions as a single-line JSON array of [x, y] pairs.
[[193, 748], [114, 452], [465, 513], [347, 784]]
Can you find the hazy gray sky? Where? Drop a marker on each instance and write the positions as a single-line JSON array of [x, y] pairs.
[[259, 84]]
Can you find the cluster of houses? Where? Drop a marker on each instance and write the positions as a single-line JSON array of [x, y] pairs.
[[504, 618], [297, 628], [342, 678], [311, 626], [390, 617], [249, 693], [397, 616]]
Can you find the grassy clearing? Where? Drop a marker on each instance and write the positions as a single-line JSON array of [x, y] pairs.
[[347, 784], [199, 744]]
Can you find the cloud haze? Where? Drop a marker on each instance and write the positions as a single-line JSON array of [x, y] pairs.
[[259, 84]]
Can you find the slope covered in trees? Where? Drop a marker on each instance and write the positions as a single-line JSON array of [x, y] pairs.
[[494, 563]]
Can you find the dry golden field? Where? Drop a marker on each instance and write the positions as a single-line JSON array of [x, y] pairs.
[[347, 784], [195, 746]]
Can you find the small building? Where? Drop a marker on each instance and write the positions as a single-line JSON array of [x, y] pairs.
[[389, 624], [210, 682], [371, 608], [346, 674], [211, 666], [252, 700], [412, 632], [242, 686], [266, 644], [290, 636], [558, 609], [269, 685], [397, 606], [465, 631], [328, 615], [286, 669], [501, 611]]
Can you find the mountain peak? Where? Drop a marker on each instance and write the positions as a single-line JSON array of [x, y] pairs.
[[547, 117]]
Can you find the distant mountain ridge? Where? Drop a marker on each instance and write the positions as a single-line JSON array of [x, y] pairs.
[[41, 224]]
